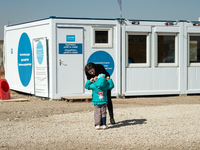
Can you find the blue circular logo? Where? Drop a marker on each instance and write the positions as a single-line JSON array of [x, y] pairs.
[[24, 59], [40, 52], [103, 58]]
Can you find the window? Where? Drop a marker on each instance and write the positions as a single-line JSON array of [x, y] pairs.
[[166, 49], [194, 49], [138, 50], [101, 37]]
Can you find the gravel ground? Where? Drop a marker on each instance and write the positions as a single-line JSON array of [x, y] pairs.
[[144, 123], [174, 124]]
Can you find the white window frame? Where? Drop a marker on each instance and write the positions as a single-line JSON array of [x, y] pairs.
[[103, 45], [191, 64], [175, 64], [148, 46]]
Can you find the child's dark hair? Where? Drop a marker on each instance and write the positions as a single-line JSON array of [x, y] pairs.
[[89, 66]]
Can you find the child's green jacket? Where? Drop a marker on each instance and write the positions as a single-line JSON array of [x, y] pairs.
[[99, 90]]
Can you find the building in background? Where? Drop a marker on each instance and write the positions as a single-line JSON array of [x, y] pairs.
[[1, 55]]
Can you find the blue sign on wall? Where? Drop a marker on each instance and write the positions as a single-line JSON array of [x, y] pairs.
[[70, 38], [24, 59], [40, 52], [103, 58], [70, 48]]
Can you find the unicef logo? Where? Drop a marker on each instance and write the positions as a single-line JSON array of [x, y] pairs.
[[24, 59], [103, 58]]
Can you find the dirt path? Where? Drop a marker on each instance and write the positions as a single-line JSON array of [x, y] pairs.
[[36, 107]]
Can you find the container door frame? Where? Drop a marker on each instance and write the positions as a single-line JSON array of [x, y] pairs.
[[65, 58]]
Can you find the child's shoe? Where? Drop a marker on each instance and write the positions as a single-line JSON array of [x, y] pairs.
[[104, 127], [97, 127]]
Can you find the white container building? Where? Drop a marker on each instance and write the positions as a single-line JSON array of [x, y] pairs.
[[46, 57]]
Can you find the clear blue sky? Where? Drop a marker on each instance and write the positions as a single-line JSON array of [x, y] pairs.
[[18, 11]]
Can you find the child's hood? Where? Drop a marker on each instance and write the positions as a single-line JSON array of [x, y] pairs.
[[101, 83]]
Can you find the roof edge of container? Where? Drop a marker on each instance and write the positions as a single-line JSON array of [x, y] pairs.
[[26, 22], [118, 19], [157, 20], [54, 17]]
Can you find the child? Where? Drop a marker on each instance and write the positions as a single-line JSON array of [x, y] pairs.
[[99, 89]]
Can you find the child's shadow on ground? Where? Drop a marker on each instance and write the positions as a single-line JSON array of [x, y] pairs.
[[128, 123]]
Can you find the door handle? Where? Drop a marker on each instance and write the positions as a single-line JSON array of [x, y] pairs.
[[61, 63]]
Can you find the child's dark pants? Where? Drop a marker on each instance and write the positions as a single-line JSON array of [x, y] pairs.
[[99, 113]]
